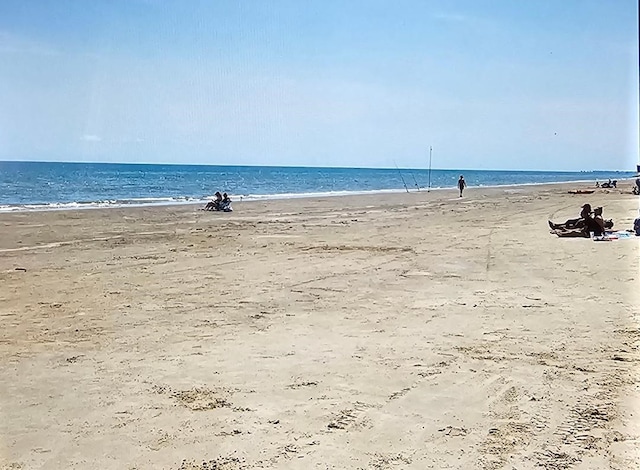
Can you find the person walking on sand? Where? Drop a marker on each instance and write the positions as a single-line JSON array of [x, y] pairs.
[[461, 184]]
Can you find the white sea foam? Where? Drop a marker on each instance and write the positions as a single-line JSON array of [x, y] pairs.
[[132, 202], [163, 201], [263, 197], [142, 202]]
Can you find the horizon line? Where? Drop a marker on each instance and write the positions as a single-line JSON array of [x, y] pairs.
[[312, 166]]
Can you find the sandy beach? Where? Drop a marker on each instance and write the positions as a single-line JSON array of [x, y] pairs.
[[369, 332]]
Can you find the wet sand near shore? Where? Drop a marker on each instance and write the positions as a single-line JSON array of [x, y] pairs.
[[411, 331]]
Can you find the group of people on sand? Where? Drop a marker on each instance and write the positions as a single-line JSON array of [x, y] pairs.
[[222, 202], [590, 223], [608, 184], [613, 184]]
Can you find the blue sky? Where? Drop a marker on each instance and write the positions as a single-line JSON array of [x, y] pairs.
[[545, 84]]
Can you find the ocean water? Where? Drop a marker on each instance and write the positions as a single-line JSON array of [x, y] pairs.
[[38, 186]]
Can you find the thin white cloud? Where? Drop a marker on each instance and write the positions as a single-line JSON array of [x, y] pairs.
[[453, 17], [91, 138], [13, 44], [468, 21]]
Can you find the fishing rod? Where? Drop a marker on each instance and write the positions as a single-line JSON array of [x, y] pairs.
[[415, 181], [430, 153], [401, 177]]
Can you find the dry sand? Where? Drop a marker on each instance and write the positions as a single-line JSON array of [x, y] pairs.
[[405, 331]]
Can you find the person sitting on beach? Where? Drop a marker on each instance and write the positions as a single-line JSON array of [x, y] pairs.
[[602, 224], [225, 204], [592, 225], [636, 188], [605, 224], [215, 204], [636, 226], [610, 184], [573, 223]]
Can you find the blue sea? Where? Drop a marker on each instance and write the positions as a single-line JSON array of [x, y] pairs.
[[41, 186]]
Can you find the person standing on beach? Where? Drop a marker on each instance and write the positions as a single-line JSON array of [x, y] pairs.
[[461, 184]]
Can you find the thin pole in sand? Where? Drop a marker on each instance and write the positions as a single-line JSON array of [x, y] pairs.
[[430, 153], [401, 177]]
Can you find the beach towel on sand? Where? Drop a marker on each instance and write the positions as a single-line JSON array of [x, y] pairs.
[[581, 191], [610, 236]]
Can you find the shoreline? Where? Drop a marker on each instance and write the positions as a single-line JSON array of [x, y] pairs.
[[163, 202]]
